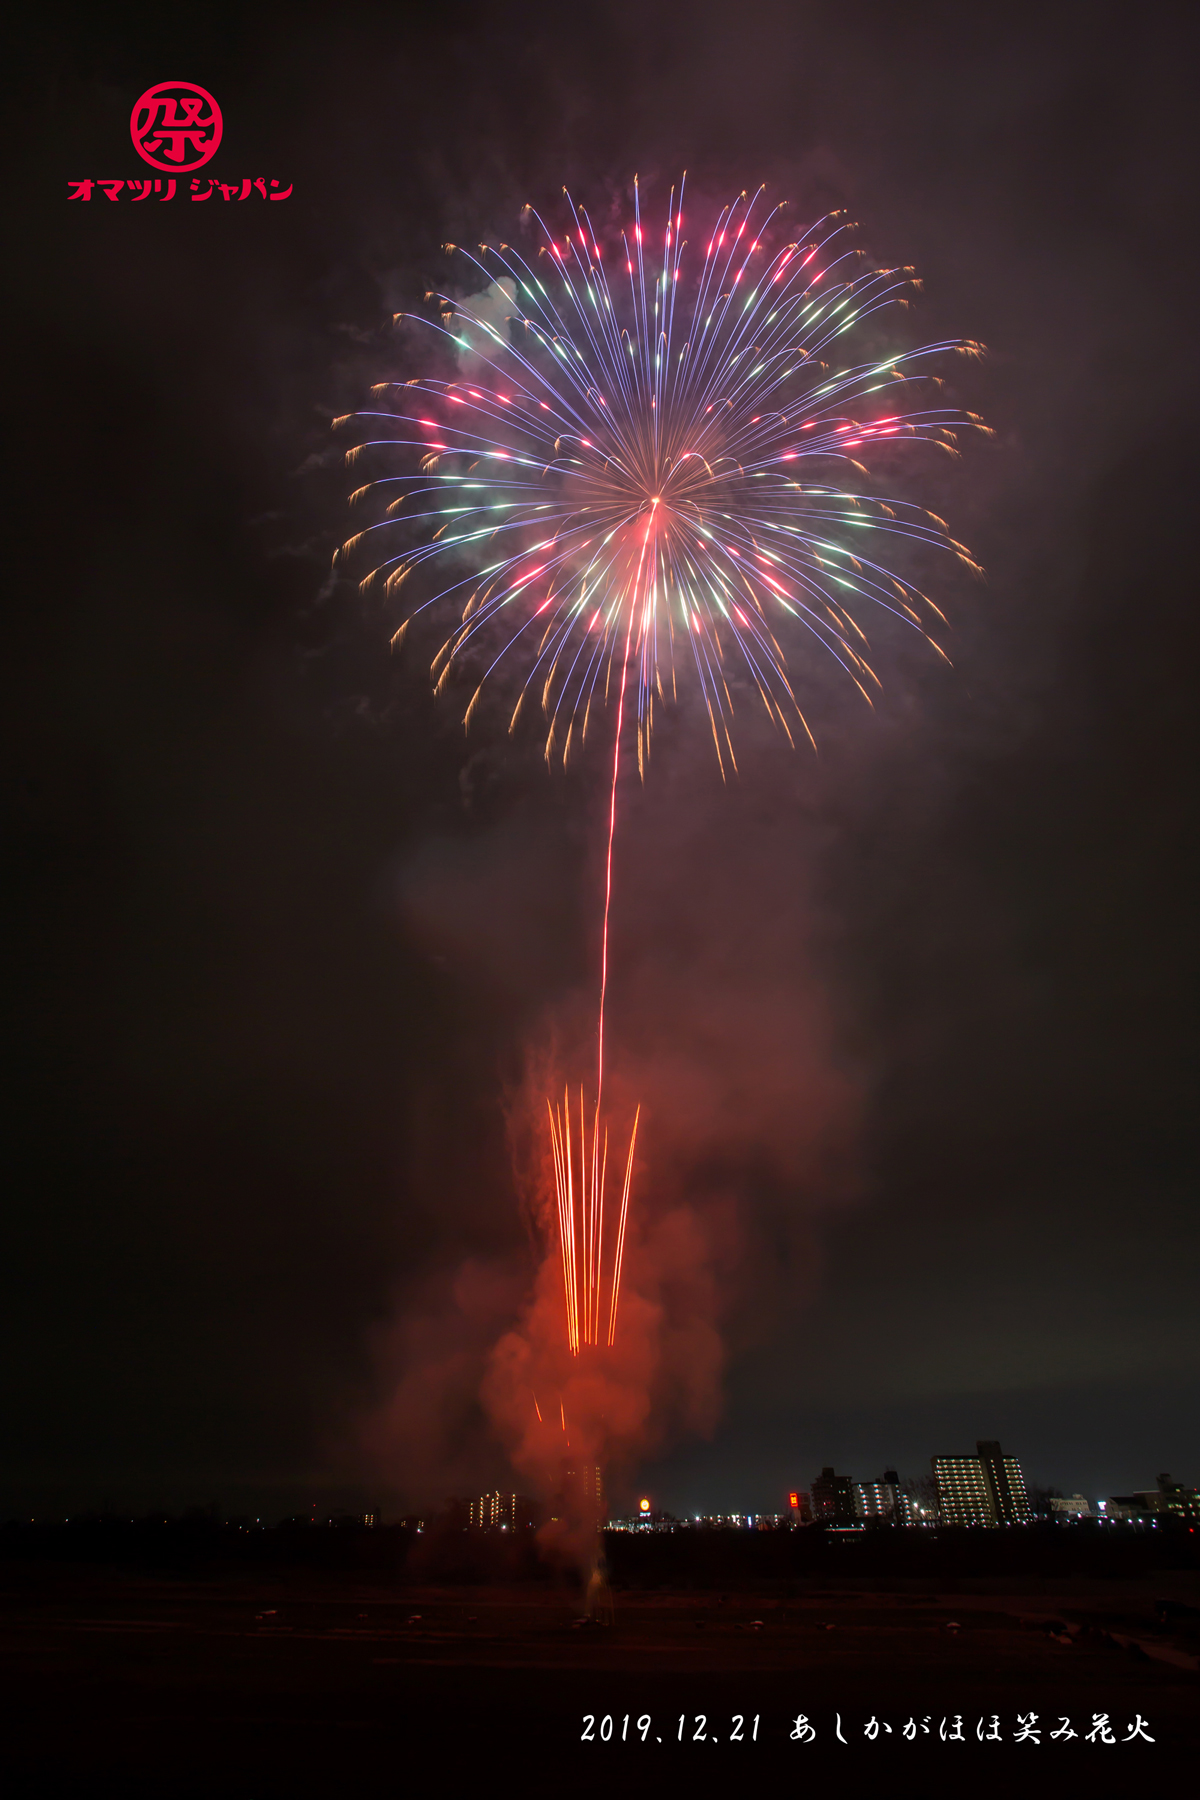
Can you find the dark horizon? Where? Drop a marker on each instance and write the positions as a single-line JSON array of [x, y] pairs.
[[739, 1472]]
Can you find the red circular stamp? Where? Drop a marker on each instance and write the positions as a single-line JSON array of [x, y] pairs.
[[175, 126]]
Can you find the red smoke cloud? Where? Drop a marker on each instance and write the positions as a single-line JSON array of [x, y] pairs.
[[661, 1375], [722, 1032]]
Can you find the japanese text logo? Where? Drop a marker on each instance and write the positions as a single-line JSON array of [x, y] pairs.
[[175, 126]]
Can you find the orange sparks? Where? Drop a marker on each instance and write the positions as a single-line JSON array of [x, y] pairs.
[[591, 1280]]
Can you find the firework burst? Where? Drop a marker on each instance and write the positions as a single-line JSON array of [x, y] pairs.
[[643, 465], [630, 475]]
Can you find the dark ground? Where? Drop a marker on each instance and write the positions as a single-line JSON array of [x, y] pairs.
[[288, 1680]]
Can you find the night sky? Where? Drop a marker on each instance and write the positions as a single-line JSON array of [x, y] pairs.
[[919, 1012]]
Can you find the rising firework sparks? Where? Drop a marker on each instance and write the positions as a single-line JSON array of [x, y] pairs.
[[581, 1189], [613, 472]]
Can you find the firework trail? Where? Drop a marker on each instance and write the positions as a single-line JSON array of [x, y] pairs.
[[631, 473]]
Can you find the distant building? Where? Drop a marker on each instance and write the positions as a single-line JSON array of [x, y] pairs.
[[963, 1494], [731, 1521], [581, 1497], [884, 1499], [838, 1500], [1070, 1506], [1170, 1499], [985, 1489], [499, 1512], [1130, 1506], [872, 1500], [1007, 1484], [1182, 1502], [799, 1507], [833, 1499], [896, 1498]]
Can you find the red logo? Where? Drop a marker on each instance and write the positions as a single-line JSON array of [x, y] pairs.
[[171, 129]]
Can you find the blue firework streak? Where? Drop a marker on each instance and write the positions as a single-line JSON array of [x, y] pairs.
[[632, 470]]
